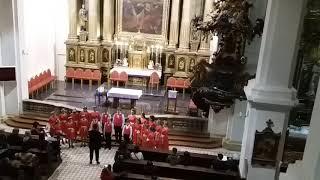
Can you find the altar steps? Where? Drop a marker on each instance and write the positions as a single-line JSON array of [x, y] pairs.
[[20, 122]]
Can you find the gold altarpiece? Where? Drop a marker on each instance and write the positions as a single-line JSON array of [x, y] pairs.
[[140, 33]]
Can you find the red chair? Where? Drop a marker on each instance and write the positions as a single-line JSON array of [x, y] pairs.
[[70, 74], [180, 84], [123, 77], [87, 75], [114, 77], [97, 76], [52, 78], [170, 83], [154, 80], [187, 83], [79, 75]]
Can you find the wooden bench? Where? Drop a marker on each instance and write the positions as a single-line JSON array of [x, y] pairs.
[[177, 171], [201, 160], [80, 74]]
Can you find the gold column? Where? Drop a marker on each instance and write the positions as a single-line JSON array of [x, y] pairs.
[[174, 24], [94, 21], [108, 20], [73, 15], [205, 41], [185, 26]]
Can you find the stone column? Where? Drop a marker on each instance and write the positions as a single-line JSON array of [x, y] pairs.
[[73, 17], [204, 45], [94, 18], [270, 95], [174, 24], [185, 26], [108, 20]]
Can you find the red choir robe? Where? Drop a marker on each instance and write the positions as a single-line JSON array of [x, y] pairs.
[[144, 137], [136, 139], [157, 140], [63, 120], [57, 128], [70, 129], [152, 124], [53, 119], [76, 118], [151, 140], [105, 118], [83, 124], [144, 121], [95, 115], [132, 119], [164, 139], [87, 115]]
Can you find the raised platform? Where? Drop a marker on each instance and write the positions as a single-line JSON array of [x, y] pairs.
[[184, 130]]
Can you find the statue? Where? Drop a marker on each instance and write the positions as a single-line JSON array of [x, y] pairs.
[[314, 80], [91, 57], [83, 17], [81, 55], [71, 55], [150, 65], [125, 62]]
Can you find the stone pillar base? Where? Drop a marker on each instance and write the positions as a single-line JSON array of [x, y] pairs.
[[231, 145]]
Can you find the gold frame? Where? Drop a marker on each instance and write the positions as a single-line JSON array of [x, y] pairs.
[[149, 37]]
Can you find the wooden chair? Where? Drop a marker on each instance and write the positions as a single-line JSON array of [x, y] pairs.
[[87, 75], [70, 74], [78, 75], [170, 83], [154, 80], [51, 78], [123, 77], [114, 76]]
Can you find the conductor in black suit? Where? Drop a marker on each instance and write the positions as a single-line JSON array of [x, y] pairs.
[[94, 142]]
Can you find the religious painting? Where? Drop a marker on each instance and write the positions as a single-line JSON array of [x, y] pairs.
[[266, 146], [171, 61], [105, 55], [143, 16], [81, 55], [192, 64], [147, 17], [71, 54], [182, 64], [91, 56]]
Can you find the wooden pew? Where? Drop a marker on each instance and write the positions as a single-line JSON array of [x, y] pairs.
[[133, 176], [178, 171], [201, 160]]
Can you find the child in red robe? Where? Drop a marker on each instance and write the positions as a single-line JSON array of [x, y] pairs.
[[63, 117], [136, 139], [71, 132], [151, 139], [132, 118], [52, 121], [127, 132], [83, 129], [107, 132], [164, 138], [143, 118], [95, 114], [86, 114], [76, 118], [144, 135], [105, 117]]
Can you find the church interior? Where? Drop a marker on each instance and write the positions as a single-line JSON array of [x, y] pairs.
[[159, 89]]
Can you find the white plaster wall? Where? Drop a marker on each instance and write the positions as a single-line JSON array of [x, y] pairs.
[[252, 50]]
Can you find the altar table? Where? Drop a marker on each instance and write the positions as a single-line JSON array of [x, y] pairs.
[[122, 93]]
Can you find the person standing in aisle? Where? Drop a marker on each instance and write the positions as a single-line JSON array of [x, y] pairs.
[[94, 142]]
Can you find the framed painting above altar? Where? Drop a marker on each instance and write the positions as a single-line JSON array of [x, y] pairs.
[[148, 17]]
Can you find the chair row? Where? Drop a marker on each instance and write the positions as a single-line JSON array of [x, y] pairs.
[[178, 83], [42, 81], [80, 74], [119, 77]]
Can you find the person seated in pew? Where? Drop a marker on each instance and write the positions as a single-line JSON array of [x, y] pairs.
[[136, 154], [24, 158], [106, 173], [27, 139], [122, 153], [219, 163], [186, 159], [35, 130], [14, 139], [42, 143], [173, 158], [3, 139]]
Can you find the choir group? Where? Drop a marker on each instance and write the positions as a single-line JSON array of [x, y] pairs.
[[143, 132]]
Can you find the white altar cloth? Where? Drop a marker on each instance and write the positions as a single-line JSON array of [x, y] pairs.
[[136, 71], [123, 93]]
